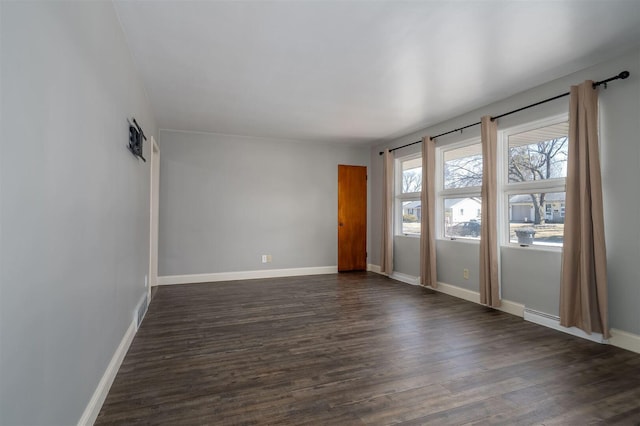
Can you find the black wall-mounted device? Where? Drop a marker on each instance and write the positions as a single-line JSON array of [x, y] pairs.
[[136, 138]]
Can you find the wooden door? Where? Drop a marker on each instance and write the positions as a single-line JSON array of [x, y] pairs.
[[352, 218]]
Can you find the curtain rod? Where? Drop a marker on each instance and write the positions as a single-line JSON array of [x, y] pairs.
[[622, 76]]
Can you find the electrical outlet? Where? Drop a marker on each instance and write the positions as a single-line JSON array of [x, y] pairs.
[[465, 273], [264, 258]]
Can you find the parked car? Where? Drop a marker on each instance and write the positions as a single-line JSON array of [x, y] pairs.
[[465, 229]]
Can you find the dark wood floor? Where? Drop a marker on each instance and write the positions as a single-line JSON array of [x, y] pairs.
[[359, 348]]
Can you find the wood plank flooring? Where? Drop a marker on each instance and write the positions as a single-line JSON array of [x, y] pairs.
[[359, 348]]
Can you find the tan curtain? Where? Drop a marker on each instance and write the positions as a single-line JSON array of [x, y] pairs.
[[428, 273], [489, 284], [386, 256], [583, 289]]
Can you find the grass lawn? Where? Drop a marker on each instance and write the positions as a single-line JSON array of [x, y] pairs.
[[549, 233]]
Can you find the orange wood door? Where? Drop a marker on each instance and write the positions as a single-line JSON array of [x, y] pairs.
[[352, 218]]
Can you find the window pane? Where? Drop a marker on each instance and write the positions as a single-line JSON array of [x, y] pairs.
[[539, 154], [537, 218], [462, 217], [412, 175], [411, 214], [463, 167]]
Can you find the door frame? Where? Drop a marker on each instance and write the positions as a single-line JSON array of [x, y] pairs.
[[154, 186]]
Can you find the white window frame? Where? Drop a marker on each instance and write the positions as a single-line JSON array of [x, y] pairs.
[[442, 194], [506, 189], [401, 197]]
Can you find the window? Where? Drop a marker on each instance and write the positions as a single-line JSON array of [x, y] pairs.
[[460, 181], [408, 189], [534, 189]]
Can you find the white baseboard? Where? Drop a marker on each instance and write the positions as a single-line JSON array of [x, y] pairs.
[[513, 308], [374, 268], [553, 321], [100, 394], [245, 275], [625, 340], [619, 338], [459, 292], [507, 306]]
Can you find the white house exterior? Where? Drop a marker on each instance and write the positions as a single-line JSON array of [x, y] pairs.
[[412, 208], [458, 210], [522, 210]]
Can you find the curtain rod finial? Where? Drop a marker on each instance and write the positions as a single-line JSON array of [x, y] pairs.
[[624, 74]]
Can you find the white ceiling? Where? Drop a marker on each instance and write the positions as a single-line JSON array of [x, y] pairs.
[[358, 71]]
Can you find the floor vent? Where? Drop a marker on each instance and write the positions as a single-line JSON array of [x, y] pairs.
[[553, 321], [141, 311], [532, 313]]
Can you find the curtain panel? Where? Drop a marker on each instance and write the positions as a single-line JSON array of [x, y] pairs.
[[489, 273], [583, 288], [428, 273], [386, 251]]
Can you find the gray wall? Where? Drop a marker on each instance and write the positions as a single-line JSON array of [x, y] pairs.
[[530, 276], [226, 200], [74, 213]]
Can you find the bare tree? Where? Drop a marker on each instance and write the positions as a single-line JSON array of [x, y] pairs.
[[411, 181], [532, 162], [538, 161], [463, 172]]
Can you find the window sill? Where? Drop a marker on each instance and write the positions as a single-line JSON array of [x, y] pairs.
[[461, 240], [407, 236], [534, 247]]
